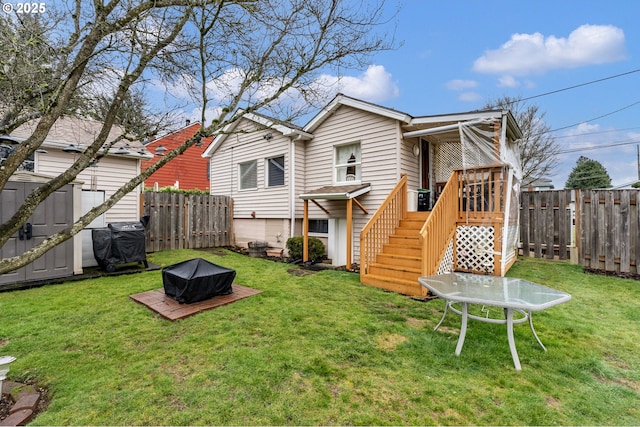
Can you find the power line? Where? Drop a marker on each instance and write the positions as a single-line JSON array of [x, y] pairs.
[[595, 133], [595, 118], [574, 86], [614, 144]]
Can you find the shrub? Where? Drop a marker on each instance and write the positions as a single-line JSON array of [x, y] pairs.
[[295, 247]]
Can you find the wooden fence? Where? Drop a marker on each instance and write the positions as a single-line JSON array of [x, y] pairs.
[[599, 229], [179, 221], [609, 227], [546, 219]]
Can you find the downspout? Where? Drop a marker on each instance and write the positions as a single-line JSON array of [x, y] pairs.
[[292, 185]]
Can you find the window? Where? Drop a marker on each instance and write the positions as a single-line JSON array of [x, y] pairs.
[[27, 165], [347, 166], [275, 171], [248, 175], [320, 226]]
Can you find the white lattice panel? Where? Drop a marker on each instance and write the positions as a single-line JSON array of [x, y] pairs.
[[475, 250], [447, 157], [446, 263]]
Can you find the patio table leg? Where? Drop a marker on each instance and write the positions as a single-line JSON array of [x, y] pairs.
[[534, 332], [512, 343], [463, 327], [446, 307]]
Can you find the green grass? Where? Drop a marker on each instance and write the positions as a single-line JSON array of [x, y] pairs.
[[322, 350]]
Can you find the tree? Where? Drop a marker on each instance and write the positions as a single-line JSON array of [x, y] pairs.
[[588, 174], [233, 56], [135, 115], [538, 149]]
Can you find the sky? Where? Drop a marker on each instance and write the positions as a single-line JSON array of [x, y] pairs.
[[457, 55]]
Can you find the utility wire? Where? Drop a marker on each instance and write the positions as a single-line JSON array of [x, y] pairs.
[[574, 86], [595, 118], [594, 133], [614, 144]]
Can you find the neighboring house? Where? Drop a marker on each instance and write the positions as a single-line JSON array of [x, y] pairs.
[[67, 138], [364, 167], [189, 170], [538, 184]]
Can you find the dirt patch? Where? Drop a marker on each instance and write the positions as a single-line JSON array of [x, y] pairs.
[[300, 272], [390, 341]]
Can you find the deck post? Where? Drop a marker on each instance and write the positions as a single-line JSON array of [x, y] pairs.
[[349, 231], [305, 232]]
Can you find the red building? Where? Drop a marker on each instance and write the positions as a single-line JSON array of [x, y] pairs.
[[188, 171]]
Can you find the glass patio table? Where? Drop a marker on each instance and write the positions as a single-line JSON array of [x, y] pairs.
[[509, 293]]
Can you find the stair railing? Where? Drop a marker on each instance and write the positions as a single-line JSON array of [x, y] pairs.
[[470, 195], [382, 224], [440, 226]]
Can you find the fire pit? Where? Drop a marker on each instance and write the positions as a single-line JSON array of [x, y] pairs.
[[196, 280]]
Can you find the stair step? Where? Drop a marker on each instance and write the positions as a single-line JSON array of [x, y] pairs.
[[418, 215], [408, 249], [394, 271], [406, 232], [413, 224], [399, 260], [405, 287], [413, 241]]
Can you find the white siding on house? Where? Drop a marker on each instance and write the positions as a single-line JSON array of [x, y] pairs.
[[266, 202], [409, 163], [379, 143], [110, 174]]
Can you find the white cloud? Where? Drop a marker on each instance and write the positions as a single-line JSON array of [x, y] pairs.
[[597, 143], [459, 84], [469, 97], [508, 81], [374, 85], [526, 54]]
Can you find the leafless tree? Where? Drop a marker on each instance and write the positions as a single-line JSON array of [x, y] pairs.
[[538, 148], [234, 57]]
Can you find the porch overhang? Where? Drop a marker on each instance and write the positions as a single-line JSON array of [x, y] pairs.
[[337, 192], [334, 192]]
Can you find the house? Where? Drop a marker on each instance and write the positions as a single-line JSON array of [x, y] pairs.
[[538, 184], [189, 170], [63, 144], [356, 175]]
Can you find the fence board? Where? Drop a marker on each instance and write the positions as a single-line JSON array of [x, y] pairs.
[[610, 228], [194, 221], [546, 224]]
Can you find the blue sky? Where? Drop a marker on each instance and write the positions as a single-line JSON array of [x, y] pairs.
[[456, 55]]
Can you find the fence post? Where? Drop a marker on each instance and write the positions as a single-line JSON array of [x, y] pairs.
[[576, 227]]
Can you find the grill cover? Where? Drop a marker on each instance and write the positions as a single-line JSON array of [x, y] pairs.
[[196, 280], [128, 241]]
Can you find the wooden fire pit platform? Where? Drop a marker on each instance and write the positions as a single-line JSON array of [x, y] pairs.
[[171, 309]]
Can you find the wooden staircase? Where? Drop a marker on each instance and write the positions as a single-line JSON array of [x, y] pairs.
[[399, 264]]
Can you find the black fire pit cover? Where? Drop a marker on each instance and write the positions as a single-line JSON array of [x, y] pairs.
[[196, 280]]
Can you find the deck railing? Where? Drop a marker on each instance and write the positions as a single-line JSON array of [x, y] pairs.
[[438, 229], [470, 196], [382, 224], [482, 193]]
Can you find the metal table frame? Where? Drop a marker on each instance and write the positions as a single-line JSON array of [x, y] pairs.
[[511, 294]]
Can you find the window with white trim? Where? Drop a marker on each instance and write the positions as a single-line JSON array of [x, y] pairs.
[[248, 175], [318, 226], [347, 163], [275, 171]]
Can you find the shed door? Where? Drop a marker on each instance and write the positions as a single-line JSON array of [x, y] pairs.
[[50, 217]]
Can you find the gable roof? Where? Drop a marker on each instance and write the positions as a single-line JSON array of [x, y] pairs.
[[286, 129], [189, 168], [80, 132], [342, 99]]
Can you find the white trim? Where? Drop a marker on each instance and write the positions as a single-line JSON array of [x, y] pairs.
[[341, 99]]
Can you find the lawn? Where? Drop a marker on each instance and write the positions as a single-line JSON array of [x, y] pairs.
[[321, 349]]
